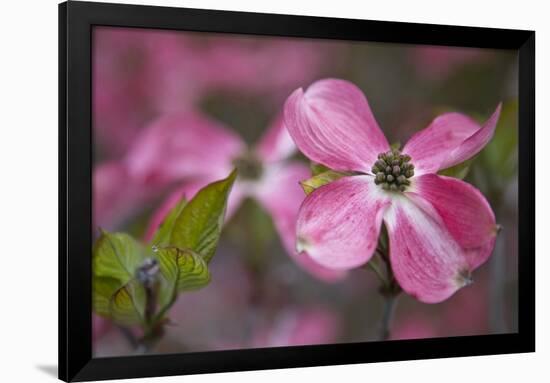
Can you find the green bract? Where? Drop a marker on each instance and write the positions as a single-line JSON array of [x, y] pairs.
[[164, 232], [176, 260], [199, 224], [180, 270], [317, 169], [321, 176]]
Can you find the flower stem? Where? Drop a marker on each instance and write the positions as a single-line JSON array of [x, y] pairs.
[[374, 267], [150, 338], [390, 301], [389, 288], [129, 336]]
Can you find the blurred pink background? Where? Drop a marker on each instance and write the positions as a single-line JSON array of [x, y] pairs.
[[173, 111]]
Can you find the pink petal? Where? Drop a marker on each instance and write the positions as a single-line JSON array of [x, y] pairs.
[[276, 144], [429, 147], [100, 326], [435, 62], [332, 124], [449, 140], [415, 326], [473, 144], [281, 195], [183, 145], [465, 213], [116, 195], [272, 69], [426, 261], [121, 85], [239, 192], [315, 326], [339, 223], [294, 327]]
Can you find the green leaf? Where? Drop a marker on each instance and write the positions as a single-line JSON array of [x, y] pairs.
[[164, 232], [117, 256], [459, 171], [183, 244], [116, 293], [122, 303], [317, 168], [180, 270], [185, 268], [103, 288], [199, 225], [127, 304], [321, 179]]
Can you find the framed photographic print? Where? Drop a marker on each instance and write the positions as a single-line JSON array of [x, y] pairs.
[[248, 191]]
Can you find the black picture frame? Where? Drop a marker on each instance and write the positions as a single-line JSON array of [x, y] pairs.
[[76, 20]]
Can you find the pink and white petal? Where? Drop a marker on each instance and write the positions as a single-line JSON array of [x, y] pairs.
[[475, 143], [339, 223], [239, 192], [276, 144], [188, 190], [449, 139], [426, 261], [464, 211], [429, 147], [281, 195], [182, 145], [332, 124]]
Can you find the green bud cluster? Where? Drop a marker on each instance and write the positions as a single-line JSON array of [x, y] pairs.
[[148, 271], [392, 170]]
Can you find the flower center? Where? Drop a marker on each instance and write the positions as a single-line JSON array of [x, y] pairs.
[[249, 166], [392, 170]]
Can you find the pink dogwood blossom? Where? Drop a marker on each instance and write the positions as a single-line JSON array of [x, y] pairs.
[[434, 62], [194, 150], [139, 74], [440, 228]]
